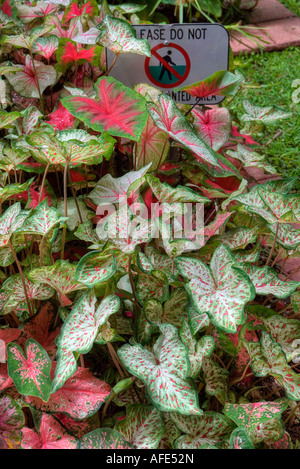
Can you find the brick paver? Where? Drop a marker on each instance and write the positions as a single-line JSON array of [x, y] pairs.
[[274, 24]]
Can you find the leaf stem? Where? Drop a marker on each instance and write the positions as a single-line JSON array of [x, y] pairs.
[[64, 232], [273, 246], [29, 306]]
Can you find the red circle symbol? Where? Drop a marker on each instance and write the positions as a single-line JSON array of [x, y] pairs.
[[180, 79]]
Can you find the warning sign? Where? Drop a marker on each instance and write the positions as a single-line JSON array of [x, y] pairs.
[[181, 54], [169, 65]]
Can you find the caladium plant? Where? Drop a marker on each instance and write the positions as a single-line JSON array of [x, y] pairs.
[[147, 298]]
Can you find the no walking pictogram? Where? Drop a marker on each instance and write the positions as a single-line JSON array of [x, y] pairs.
[[169, 65]]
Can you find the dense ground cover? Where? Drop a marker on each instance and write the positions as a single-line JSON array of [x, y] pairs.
[[144, 300]]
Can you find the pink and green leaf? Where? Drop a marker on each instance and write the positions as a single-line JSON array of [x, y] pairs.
[[12, 420], [170, 119], [143, 426], [30, 372], [213, 126], [221, 83], [118, 110], [164, 371], [52, 435], [104, 438]]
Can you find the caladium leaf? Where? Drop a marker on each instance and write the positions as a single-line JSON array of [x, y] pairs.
[[171, 432], [41, 220], [269, 359], [251, 158], [239, 439], [152, 286], [143, 426], [79, 332], [164, 372], [216, 379], [94, 268], [119, 110], [52, 435], [30, 13], [81, 396], [266, 281], [220, 291], [9, 222], [32, 75], [196, 320], [6, 118], [109, 190], [239, 237], [221, 83], [172, 312], [13, 189], [268, 115], [120, 37], [284, 208], [90, 8], [261, 420], [287, 237], [167, 194], [45, 46], [159, 261], [30, 373], [169, 118], [211, 429], [12, 420], [104, 438], [77, 146], [59, 276], [197, 349], [284, 331], [126, 231], [69, 53], [78, 428], [213, 126], [14, 290], [153, 146]]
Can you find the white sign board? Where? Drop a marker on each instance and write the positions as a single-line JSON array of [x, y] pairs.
[[181, 54]]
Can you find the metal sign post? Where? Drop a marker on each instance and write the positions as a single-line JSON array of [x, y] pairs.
[[181, 54]]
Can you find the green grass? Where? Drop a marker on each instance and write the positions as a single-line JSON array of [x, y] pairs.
[[292, 5], [268, 81]]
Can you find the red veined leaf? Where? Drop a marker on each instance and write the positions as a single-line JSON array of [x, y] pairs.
[[221, 83], [8, 8], [118, 110], [28, 13], [30, 373], [24, 82], [61, 118], [81, 396], [212, 125], [69, 52], [46, 46], [52, 435], [104, 438], [169, 118], [153, 146], [90, 8], [12, 421], [59, 31]]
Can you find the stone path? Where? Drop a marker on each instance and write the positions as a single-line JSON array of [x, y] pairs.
[[281, 29]]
